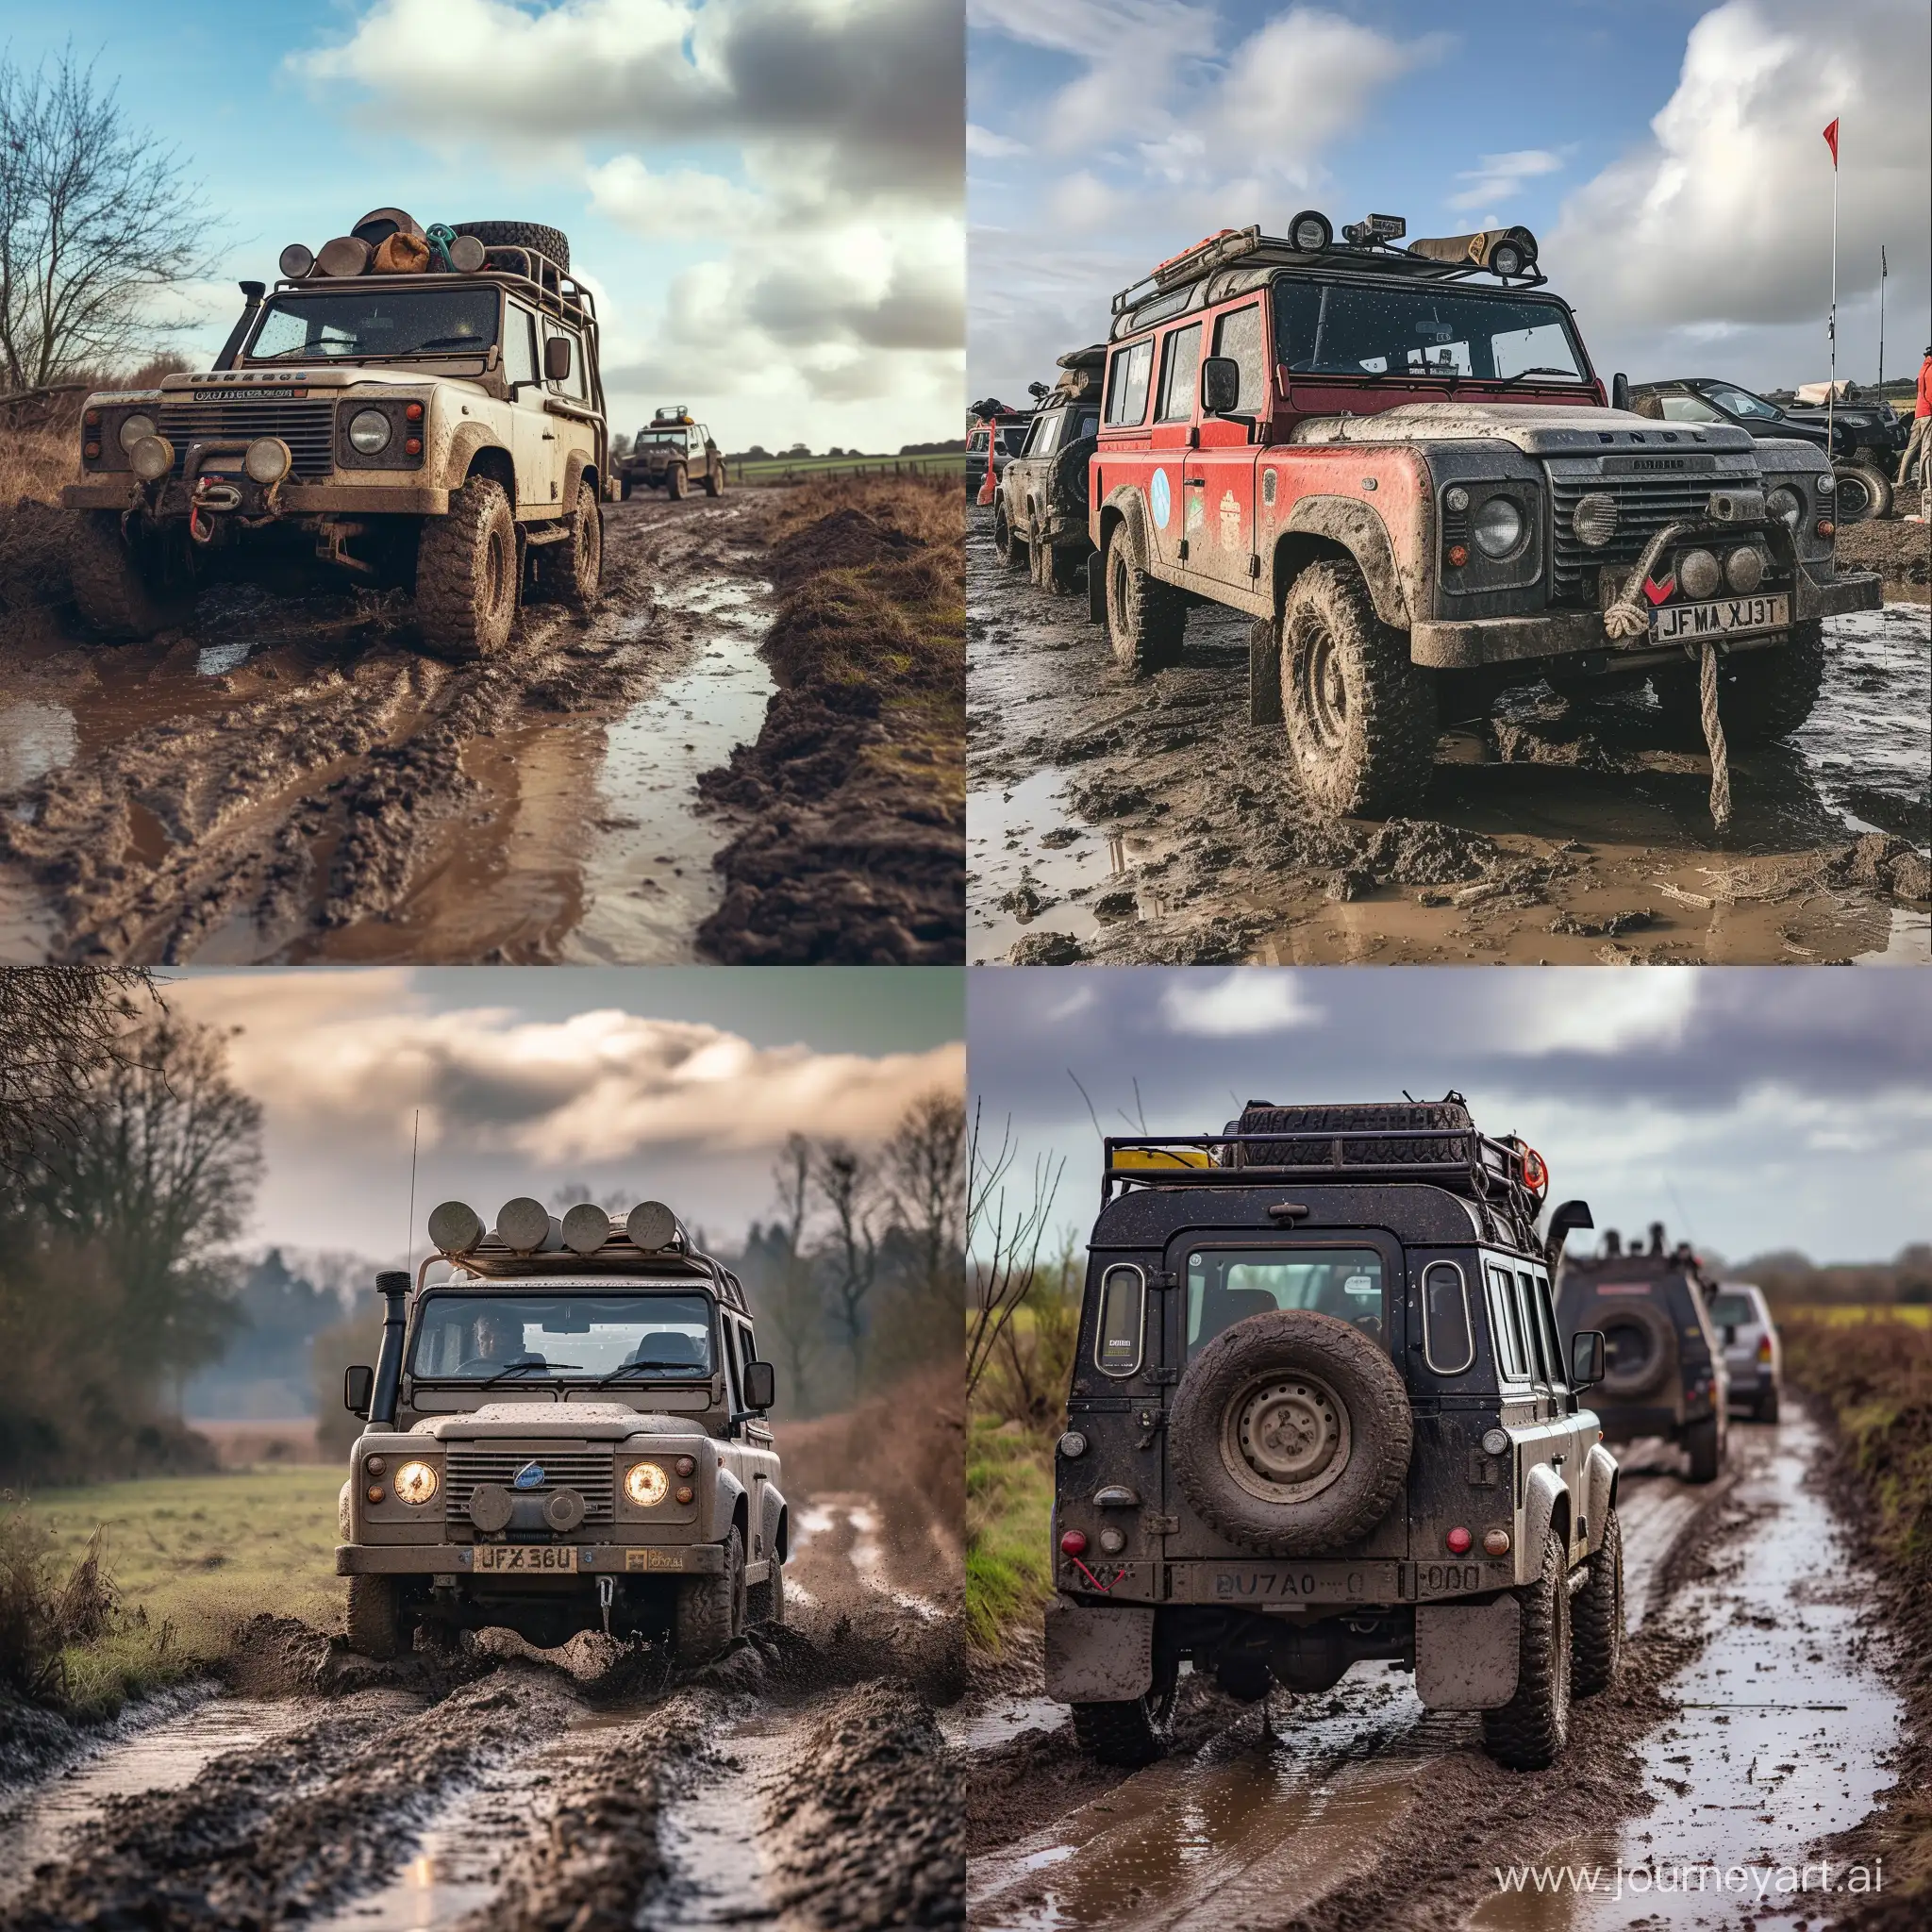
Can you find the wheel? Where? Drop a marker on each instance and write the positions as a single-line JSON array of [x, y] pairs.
[[1291, 1433], [1127, 1734], [709, 1611], [1145, 618], [1531, 1731], [678, 485], [1706, 1450], [1766, 1409], [764, 1602], [1013, 553], [570, 572], [1065, 572], [111, 590], [466, 572], [1640, 1348], [375, 1617], [1762, 695], [1596, 1617], [537, 234], [1243, 1678], [624, 490], [714, 484], [1876, 485]]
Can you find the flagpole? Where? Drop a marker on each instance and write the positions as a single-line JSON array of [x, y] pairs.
[[1831, 392], [1881, 315]]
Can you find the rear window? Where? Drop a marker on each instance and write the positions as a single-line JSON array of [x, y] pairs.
[[1123, 1300], [1227, 1285], [1448, 1346], [1733, 1310], [1126, 384]]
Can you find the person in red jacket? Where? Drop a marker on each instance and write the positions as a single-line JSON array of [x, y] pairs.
[[1915, 468]]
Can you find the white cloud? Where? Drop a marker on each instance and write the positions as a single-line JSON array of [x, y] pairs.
[[1500, 175], [1584, 1009], [683, 204], [1245, 1001], [990, 146]]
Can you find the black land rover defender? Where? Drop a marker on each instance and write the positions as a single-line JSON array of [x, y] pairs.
[[1320, 1414], [1039, 518], [1664, 1367]]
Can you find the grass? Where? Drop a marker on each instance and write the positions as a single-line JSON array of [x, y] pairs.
[[1915, 1314], [36, 463], [1009, 1513], [790, 469]]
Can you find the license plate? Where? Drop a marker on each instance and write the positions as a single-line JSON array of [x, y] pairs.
[[529, 1560], [654, 1559], [1673, 623]]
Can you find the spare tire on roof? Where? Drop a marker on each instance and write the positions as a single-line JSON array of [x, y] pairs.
[[541, 236], [1321, 1124]]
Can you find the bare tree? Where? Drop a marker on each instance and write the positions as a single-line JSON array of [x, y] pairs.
[[925, 1170], [1004, 1241], [848, 1185], [59, 1027], [96, 219], [796, 1311]]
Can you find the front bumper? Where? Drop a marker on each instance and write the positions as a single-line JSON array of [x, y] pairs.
[[120, 492], [593, 1559]]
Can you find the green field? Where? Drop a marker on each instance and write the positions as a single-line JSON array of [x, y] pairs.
[[802, 469], [1008, 1510], [1917, 1313]]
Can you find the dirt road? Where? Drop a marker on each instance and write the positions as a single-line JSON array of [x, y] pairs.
[[292, 779], [801, 1782], [1747, 1727], [1150, 822]]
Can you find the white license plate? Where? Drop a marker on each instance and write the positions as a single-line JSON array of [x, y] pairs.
[[1673, 623], [529, 1560]]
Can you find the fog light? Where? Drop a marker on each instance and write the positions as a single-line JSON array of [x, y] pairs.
[[1073, 1543], [375, 1465], [1699, 572], [1594, 519], [1112, 1541], [151, 458], [1496, 1442], [415, 1483], [268, 461], [1458, 1540], [1073, 1443], [1457, 555], [374, 1492], [296, 261], [1497, 1542], [685, 1466], [646, 1483], [1744, 569], [1310, 232]]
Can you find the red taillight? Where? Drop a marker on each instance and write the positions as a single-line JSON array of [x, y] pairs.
[[1073, 1543], [1458, 1539], [1764, 1348]]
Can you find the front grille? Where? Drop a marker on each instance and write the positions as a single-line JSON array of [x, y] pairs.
[[589, 1471], [1644, 505], [307, 429]]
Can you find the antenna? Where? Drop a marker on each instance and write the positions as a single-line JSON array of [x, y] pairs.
[[410, 1237]]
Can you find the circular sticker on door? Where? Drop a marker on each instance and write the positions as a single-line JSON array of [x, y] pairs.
[[1160, 499]]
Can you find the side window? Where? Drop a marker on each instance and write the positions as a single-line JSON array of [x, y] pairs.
[[1686, 408], [1123, 1307], [1448, 1344], [573, 384], [976, 441], [1126, 384], [1180, 361], [519, 344], [1238, 337], [1552, 1342], [1542, 1339], [1046, 435], [1506, 1319]]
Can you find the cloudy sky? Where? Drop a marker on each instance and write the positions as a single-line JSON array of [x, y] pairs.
[[765, 195], [675, 1084], [1759, 1108], [1667, 152]]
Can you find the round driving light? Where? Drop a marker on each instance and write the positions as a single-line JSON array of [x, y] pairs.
[[1112, 1541], [1496, 1543], [1496, 1442], [1783, 504], [369, 431], [296, 260], [1827, 483], [1744, 569], [375, 1465], [374, 1492], [151, 458], [1457, 498], [1498, 528], [647, 1485], [1310, 232], [1594, 519], [1699, 573], [1457, 555], [1506, 258], [1073, 1443], [683, 1496], [415, 1483], [1458, 1540], [268, 461], [1073, 1543], [686, 1465], [133, 428]]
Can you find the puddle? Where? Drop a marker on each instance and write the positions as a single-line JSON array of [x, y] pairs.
[[1868, 746], [997, 1722], [36, 738], [1908, 943], [647, 872], [714, 1836]]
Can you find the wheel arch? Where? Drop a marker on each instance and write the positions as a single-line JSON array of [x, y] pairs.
[[1545, 1505], [1333, 526]]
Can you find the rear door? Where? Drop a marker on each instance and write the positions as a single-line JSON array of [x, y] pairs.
[[1578, 1437]]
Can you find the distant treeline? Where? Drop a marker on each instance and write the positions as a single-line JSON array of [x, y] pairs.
[[1790, 1278]]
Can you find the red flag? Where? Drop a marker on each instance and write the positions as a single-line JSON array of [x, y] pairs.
[[1831, 141]]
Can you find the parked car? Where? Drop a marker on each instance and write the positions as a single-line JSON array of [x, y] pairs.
[[1041, 517], [1754, 1353], [672, 452], [1006, 430], [1665, 1369]]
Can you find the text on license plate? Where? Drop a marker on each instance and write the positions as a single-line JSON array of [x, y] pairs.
[[545, 1559], [1674, 622]]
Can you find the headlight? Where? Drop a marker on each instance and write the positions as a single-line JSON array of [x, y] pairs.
[[1594, 519], [133, 428], [1498, 528], [268, 459], [369, 431], [646, 1483], [1699, 573], [415, 1483], [151, 458], [1783, 504]]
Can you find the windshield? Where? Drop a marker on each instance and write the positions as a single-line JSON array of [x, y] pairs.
[[1740, 402], [676, 435], [1332, 328], [1226, 1286], [375, 321], [575, 1337]]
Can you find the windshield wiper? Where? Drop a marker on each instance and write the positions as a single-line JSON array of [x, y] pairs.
[[618, 1374], [307, 352], [443, 343], [517, 1368]]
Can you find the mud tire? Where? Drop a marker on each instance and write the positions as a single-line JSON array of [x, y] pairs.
[[1878, 490], [376, 1628], [714, 481], [1231, 1370], [1705, 1449], [1765, 1409], [1596, 1617], [1146, 619], [569, 573], [1628, 1384], [537, 234], [1360, 717], [1531, 1731], [1012, 552], [1066, 571], [1243, 1678], [709, 1611], [624, 490], [677, 484], [1130, 1734], [1762, 695], [109, 590], [467, 569], [764, 1602]]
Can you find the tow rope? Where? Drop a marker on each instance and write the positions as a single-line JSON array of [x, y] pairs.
[[439, 235]]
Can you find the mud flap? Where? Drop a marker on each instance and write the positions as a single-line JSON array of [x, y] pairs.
[[1467, 1655], [1098, 1656], [1264, 672], [1096, 589]]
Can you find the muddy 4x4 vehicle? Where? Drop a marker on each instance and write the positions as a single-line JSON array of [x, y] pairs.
[[1754, 1350], [429, 426], [567, 1433], [1664, 1373], [673, 453], [992, 425], [1039, 516], [1319, 1413], [1400, 463]]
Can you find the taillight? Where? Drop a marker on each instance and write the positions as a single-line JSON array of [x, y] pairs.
[[1764, 1348], [1073, 1543], [1458, 1540]]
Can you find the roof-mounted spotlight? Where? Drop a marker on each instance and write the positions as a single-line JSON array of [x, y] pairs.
[[525, 1226], [1376, 229], [1311, 231], [652, 1225], [296, 261], [586, 1228], [454, 1228]]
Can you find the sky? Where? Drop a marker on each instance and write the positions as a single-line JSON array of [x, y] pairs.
[[1751, 1108], [1668, 155], [675, 1084], [764, 195]]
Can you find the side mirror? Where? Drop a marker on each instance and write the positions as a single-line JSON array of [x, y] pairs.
[[1221, 385], [1620, 391], [761, 1386], [359, 1386], [557, 358], [1586, 1358]]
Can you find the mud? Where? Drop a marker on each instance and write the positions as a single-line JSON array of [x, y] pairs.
[[1900, 552], [1150, 822]]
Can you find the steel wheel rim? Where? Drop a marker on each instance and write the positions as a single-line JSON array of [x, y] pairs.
[[1285, 1438], [1325, 692]]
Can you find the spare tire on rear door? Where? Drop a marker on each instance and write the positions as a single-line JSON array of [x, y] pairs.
[[1640, 1347], [537, 234], [1291, 1433]]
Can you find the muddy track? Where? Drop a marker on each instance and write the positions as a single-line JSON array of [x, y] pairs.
[[1747, 1725], [1149, 821], [293, 779]]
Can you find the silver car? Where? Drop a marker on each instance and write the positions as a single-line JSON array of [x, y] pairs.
[[1753, 1352]]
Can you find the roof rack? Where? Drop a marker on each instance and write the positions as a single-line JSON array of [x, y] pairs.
[[492, 1259], [528, 271]]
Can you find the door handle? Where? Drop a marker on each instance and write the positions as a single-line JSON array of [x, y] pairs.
[[1193, 483]]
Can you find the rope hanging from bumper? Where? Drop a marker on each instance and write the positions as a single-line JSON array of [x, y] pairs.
[[1714, 736]]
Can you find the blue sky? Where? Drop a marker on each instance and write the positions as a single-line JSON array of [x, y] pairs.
[[1668, 153], [764, 194]]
